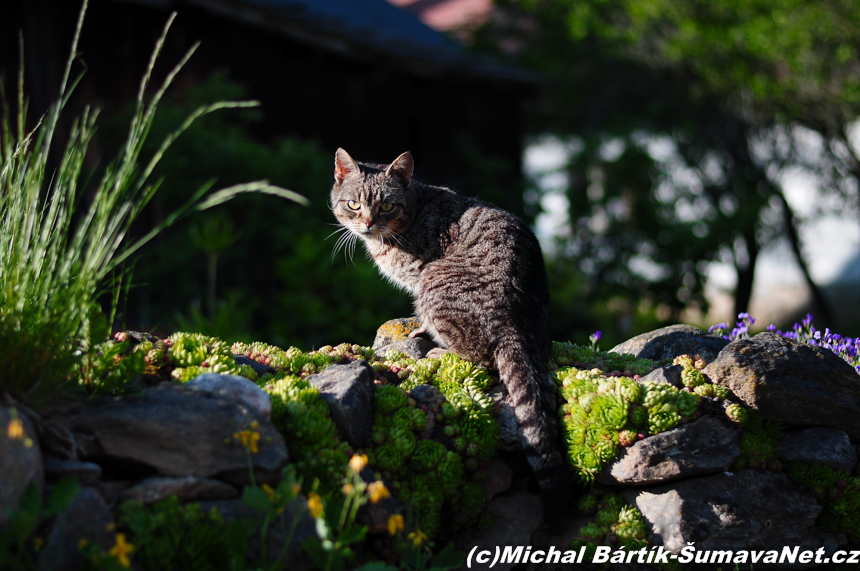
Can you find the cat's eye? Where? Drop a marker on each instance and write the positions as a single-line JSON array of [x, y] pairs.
[[386, 207], [353, 205]]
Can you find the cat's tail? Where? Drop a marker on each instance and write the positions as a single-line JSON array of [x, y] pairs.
[[534, 396]]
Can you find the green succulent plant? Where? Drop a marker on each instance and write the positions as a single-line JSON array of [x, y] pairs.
[[568, 354], [303, 418], [759, 441], [737, 413], [837, 491], [713, 391], [612, 517], [587, 504], [604, 412]]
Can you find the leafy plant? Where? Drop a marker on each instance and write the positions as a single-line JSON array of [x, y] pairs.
[[614, 522], [17, 537], [57, 256], [168, 535]]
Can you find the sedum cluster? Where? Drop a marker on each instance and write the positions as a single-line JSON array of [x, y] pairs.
[[568, 354], [694, 379], [614, 522], [465, 433], [193, 354], [467, 416], [603, 413], [182, 356], [292, 361], [109, 366], [423, 472], [837, 491], [433, 455], [302, 416], [759, 439]]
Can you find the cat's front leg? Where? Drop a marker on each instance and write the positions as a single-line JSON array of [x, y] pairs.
[[427, 332]]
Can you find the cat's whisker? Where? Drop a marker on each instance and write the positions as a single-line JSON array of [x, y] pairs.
[[345, 241], [352, 248], [340, 229], [395, 237]]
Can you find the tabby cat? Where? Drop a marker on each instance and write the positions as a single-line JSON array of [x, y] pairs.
[[480, 287]]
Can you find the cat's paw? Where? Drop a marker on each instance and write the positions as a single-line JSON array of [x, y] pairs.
[[436, 352]]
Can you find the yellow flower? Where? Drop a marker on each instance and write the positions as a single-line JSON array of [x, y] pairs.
[[347, 489], [417, 537], [358, 462], [315, 505], [16, 429], [269, 491], [122, 550], [249, 439], [377, 491], [83, 543], [395, 524]]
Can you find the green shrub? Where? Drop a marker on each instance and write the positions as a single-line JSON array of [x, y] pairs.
[[57, 254]]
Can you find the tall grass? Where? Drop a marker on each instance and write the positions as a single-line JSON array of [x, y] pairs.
[[53, 265]]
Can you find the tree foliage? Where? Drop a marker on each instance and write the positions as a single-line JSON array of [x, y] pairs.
[[684, 115]]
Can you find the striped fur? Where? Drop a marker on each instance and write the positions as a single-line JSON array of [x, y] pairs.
[[480, 287]]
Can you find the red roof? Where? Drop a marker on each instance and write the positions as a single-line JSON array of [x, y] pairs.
[[447, 15]]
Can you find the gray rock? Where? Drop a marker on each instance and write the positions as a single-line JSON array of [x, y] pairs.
[[278, 530], [744, 510], [509, 427], [416, 348], [669, 342], [500, 475], [826, 446], [516, 516], [89, 518], [189, 488], [706, 446], [177, 430], [670, 374], [110, 490], [86, 472], [427, 395], [395, 330], [55, 439], [790, 382], [235, 388], [20, 459], [348, 390], [140, 336]]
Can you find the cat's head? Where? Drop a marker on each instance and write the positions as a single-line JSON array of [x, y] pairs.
[[374, 202]]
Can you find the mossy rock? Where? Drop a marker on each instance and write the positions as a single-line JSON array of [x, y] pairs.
[[395, 330]]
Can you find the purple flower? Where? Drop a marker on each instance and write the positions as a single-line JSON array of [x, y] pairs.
[[847, 348]]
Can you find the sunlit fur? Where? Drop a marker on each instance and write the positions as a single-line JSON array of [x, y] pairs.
[[477, 275]]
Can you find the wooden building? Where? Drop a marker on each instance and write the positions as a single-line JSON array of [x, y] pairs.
[[360, 74]]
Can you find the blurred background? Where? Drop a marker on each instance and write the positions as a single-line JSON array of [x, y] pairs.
[[680, 161]]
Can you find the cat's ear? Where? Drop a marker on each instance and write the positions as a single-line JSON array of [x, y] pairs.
[[344, 166], [402, 166]]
